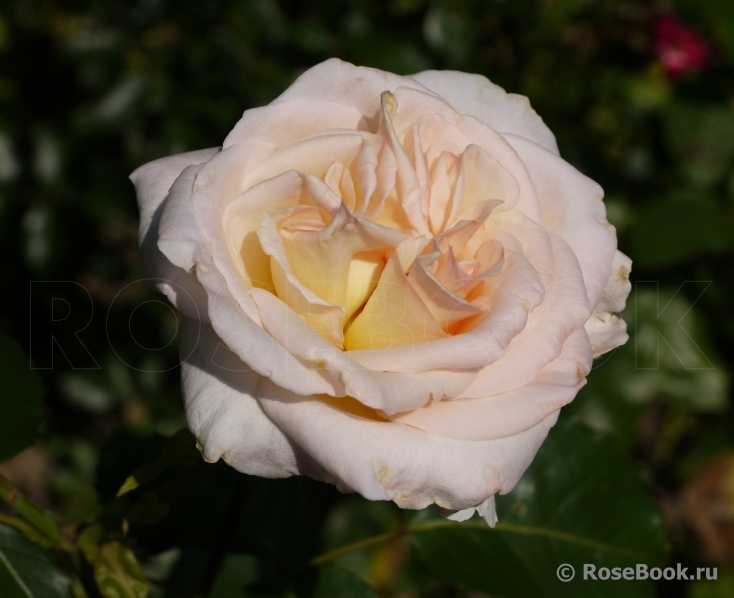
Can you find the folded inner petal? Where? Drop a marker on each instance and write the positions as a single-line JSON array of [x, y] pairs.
[[321, 259], [407, 197], [394, 315], [447, 307], [515, 292], [485, 178], [324, 317], [242, 217]]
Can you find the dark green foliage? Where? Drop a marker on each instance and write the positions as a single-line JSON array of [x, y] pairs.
[[27, 571], [21, 400]]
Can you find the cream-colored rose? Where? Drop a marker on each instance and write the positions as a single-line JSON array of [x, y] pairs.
[[390, 283]]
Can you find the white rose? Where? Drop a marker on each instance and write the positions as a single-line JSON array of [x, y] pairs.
[[390, 283]]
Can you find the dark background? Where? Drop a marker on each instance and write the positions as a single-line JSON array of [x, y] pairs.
[[91, 90]]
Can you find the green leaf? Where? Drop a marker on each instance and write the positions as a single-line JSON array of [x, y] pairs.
[[337, 582], [681, 226], [721, 20], [236, 573], [120, 457], [21, 400], [116, 570], [701, 137], [179, 449], [27, 571], [566, 509], [353, 519], [27, 530]]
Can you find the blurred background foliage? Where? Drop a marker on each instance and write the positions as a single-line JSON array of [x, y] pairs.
[[640, 95]]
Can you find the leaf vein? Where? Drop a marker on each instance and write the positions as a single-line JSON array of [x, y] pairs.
[[15, 575]]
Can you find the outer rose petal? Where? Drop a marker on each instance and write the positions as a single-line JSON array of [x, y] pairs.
[[152, 184], [510, 412], [289, 122], [223, 412], [571, 207], [153, 180], [391, 461], [178, 233], [606, 330], [477, 96], [344, 83], [618, 286]]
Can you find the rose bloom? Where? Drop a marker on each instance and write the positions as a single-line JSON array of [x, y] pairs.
[[389, 283]]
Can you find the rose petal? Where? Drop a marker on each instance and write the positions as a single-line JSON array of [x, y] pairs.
[[322, 259], [413, 104], [394, 315], [463, 515], [475, 95], [488, 511], [511, 412], [310, 156], [222, 411], [153, 181], [321, 315], [287, 122], [435, 129], [408, 199], [247, 339], [564, 310], [242, 218], [178, 234], [483, 178], [386, 173], [152, 184], [217, 184], [618, 286], [453, 277], [392, 461], [348, 85], [572, 208], [387, 391], [447, 307], [442, 190], [497, 146], [606, 332], [514, 293]]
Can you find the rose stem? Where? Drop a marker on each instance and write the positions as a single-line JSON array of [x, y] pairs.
[[33, 514]]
